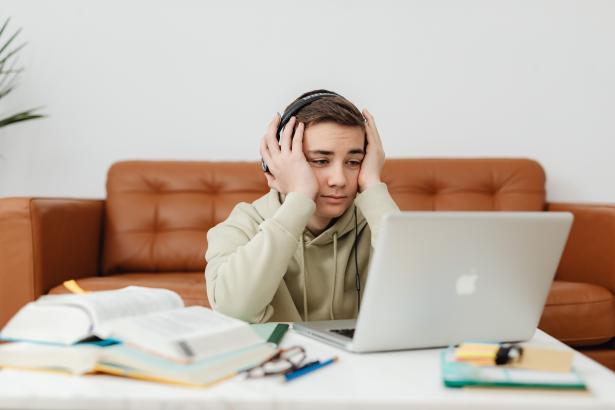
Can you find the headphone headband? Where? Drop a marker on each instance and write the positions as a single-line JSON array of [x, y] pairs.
[[299, 104]]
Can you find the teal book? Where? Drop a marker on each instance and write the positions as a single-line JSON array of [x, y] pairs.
[[462, 374], [270, 332]]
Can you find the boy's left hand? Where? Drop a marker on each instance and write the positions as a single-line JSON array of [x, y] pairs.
[[372, 164]]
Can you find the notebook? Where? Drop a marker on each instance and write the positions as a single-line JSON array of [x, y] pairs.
[[463, 374]]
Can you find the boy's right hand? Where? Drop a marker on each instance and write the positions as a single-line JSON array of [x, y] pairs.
[[289, 171]]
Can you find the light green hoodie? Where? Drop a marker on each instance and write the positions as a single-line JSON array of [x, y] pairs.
[[264, 265]]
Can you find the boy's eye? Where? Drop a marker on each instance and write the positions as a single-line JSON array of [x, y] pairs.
[[354, 163], [320, 161]]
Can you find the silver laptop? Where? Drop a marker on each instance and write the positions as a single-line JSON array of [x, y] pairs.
[[441, 278]]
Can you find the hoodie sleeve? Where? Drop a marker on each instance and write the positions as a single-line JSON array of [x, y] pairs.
[[374, 203], [246, 261]]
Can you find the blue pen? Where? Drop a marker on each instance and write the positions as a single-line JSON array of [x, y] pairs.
[[308, 369]]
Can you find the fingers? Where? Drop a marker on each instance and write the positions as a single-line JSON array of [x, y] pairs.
[[371, 125], [273, 124], [270, 148], [287, 134], [369, 117], [272, 182], [271, 138], [298, 138], [265, 154], [371, 130]]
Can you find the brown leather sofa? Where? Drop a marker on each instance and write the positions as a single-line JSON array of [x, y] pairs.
[[150, 231]]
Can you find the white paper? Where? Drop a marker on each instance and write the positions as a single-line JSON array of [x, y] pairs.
[[107, 305]]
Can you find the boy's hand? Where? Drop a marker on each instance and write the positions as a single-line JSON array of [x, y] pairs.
[[372, 164], [289, 170]]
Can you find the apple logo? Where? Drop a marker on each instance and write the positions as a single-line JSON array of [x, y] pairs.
[[466, 283]]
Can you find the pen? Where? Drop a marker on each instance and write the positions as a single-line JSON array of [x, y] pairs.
[[308, 369]]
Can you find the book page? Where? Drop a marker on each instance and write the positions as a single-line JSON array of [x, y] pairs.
[[181, 323], [108, 305], [78, 359], [62, 324], [183, 333]]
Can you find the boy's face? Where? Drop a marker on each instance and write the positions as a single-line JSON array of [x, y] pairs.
[[335, 153]]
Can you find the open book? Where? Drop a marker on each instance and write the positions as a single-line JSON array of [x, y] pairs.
[[152, 320]]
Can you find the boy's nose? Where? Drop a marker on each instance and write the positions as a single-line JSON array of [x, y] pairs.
[[337, 177]]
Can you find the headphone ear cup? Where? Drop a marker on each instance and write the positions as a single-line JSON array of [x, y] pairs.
[[278, 136]]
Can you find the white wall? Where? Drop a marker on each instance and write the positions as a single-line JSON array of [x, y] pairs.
[[201, 79]]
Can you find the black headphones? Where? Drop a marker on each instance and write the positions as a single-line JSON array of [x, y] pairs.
[[291, 110]]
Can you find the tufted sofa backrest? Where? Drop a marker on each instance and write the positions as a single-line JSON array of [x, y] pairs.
[[466, 184], [158, 212]]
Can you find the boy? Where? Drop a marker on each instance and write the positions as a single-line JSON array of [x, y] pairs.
[[301, 251]]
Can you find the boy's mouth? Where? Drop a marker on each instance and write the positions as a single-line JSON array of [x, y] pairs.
[[334, 199]]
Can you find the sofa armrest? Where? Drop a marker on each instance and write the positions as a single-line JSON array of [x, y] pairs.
[[44, 242], [589, 255]]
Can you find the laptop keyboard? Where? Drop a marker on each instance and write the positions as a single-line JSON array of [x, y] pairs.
[[344, 332]]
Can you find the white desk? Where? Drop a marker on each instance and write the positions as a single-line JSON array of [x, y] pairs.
[[409, 380]]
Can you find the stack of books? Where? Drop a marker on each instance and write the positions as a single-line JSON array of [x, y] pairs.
[[136, 332]]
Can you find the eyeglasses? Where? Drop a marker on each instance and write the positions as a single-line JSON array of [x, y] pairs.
[[282, 362]]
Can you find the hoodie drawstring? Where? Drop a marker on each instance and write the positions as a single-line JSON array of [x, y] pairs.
[[334, 277], [304, 274]]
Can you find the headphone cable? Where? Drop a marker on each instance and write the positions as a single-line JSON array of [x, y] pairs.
[[356, 261]]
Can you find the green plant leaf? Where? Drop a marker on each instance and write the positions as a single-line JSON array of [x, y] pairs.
[[10, 40], [9, 75], [11, 71], [19, 117], [7, 90], [6, 23], [5, 79], [12, 52]]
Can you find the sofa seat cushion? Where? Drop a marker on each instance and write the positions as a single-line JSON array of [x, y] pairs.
[[189, 285], [579, 314]]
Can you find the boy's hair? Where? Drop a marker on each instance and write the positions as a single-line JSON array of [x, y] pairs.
[[335, 109]]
